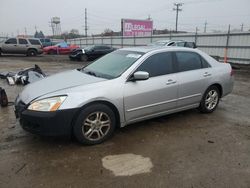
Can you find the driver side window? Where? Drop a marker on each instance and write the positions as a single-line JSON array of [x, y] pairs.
[[158, 64], [11, 41]]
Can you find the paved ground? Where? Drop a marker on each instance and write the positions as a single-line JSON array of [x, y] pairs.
[[187, 149]]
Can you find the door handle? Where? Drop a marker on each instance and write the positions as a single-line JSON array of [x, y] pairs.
[[170, 81], [206, 74]]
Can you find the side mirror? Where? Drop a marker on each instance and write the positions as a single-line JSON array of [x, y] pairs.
[[59, 46], [140, 75]]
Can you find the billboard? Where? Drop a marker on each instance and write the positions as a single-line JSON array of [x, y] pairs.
[[138, 28]]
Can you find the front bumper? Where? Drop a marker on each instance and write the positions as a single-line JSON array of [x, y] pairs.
[[58, 123], [40, 51], [76, 55]]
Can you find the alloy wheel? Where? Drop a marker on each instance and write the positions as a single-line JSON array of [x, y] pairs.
[[211, 99], [96, 126]]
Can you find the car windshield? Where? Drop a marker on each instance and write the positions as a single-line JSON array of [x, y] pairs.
[[62, 44], [112, 65]]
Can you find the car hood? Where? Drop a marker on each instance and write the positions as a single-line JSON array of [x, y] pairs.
[[57, 82]]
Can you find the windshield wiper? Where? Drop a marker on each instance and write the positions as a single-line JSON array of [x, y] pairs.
[[90, 73]]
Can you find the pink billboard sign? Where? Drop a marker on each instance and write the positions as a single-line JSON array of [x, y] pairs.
[[138, 28]]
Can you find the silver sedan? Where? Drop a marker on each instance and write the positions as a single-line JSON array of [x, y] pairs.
[[123, 87]]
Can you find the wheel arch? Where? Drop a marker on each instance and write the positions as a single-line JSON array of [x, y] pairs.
[[107, 103], [29, 49], [219, 86], [32, 49]]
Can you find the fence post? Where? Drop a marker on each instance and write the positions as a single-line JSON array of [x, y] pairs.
[[196, 35], [151, 37], [134, 40], [122, 41], [111, 39], [226, 47]]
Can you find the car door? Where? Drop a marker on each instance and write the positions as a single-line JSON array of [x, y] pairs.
[[193, 77], [10, 46], [98, 52], [22, 46], [156, 95]]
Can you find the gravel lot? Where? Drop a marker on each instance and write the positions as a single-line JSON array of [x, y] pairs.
[[186, 149]]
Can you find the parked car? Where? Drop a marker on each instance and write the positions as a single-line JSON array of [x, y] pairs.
[[90, 52], [60, 48], [180, 43], [47, 42], [29, 46], [123, 87]]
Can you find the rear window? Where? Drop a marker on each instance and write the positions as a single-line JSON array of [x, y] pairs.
[[34, 42], [190, 45], [188, 61]]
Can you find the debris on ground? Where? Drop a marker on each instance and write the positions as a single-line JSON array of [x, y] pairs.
[[3, 98], [23, 77]]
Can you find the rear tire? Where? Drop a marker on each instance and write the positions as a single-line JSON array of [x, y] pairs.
[[210, 100], [95, 124], [32, 52]]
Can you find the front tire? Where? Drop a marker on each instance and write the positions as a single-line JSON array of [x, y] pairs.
[[210, 100], [95, 124], [84, 57]]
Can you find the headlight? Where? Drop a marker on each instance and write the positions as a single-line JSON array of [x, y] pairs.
[[49, 104]]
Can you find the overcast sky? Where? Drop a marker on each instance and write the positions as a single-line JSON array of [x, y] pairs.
[[15, 15]]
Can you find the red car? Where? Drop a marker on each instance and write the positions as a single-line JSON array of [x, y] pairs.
[[60, 48]]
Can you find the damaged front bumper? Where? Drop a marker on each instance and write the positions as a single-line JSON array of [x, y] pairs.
[[58, 123]]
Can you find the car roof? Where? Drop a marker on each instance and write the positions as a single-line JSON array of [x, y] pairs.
[[146, 49]]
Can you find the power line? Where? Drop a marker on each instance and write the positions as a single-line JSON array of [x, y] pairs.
[[177, 9]]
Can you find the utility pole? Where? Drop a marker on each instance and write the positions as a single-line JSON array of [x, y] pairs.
[[177, 9], [25, 31], [205, 27], [86, 22], [242, 25]]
